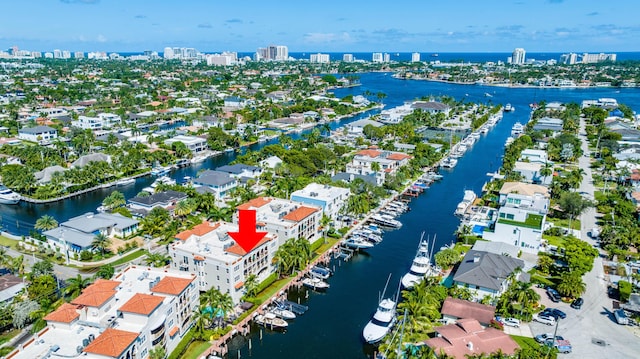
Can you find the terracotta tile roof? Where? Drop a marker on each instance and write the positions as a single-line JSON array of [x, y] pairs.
[[255, 203], [459, 308], [369, 153], [300, 213], [199, 230], [111, 343], [172, 285], [66, 313], [97, 293], [142, 304], [237, 250], [398, 156], [636, 196]]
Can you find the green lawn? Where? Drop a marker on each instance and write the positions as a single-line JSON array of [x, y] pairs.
[[533, 221], [525, 342], [8, 242], [554, 240], [564, 222], [5, 337], [126, 259], [195, 350]]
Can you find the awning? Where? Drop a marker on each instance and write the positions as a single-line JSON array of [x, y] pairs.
[[173, 331], [198, 258], [239, 285]]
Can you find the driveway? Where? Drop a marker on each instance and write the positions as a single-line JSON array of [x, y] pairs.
[[592, 330]]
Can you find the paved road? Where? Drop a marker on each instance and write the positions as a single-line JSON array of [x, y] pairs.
[[595, 320], [61, 272]]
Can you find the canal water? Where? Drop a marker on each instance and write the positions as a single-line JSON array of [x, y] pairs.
[[333, 325]]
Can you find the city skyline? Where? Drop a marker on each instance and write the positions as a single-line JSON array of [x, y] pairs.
[[467, 26]]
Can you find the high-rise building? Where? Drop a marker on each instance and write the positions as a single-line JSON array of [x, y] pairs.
[[376, 57], [319, 58], [66, 54], [594, 58], [518, 56], [415, 57], [272, 53], [168, 53], [386, 57], [57, 54], [347, 57], [569, 59]]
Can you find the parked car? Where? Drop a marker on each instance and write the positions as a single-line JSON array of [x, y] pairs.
[[544, 319], [553, 295], [511, 322], [563, 345], [577, 304], [553, 312], [621, 317], [542, 338]]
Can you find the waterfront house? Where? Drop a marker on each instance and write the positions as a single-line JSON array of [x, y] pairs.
[[271, 162], [356, 128], [548, 123], [468, 338], [208, 251], [139, 310], [387, 161], [241, 171], [10, 287], [93, 157], [534, 156], [521, 216], [166, 199], [331, 199], [454, 309], [44, 176], [530, 172], [284, 218], [42, 135], [194, 144], [221, 183], [432, 107], [79, 232], [485, 274]]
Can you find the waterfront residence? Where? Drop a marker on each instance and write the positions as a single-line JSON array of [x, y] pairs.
[[93, 157], [350, 177], [388, 163], [219, 183], [10, 287], [625, 130], [42, 135], [331, 199], [521, 216], [431, 107], [534, 156], [125, 318], [101, 121], [194, 144], [284, 218], [271, 162], [44, 176], [395, 115], [356, 128], [454, 309], [530, 172], [234, 102], [218, 261], [167, 199], [468, 338], [549, 124], [79, 232], [241, 171], [486, 274]]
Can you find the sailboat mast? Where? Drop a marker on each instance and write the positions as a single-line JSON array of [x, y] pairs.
[[385, 289]]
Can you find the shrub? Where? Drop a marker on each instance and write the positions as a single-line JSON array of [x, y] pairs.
[[86, 255], [624, 288]]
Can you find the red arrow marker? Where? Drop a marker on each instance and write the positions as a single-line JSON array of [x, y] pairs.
[[247, 237]]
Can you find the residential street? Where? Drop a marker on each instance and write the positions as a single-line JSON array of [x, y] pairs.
[[592, 330]]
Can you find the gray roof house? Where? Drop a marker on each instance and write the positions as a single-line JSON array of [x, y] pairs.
[[44, 176], [167, 199], [93, 157], [79, 232], [485, 273], [548, 123], [220, 182], [241, 170], [10, 286]]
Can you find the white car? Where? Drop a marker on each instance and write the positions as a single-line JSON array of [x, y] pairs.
[[544, 319], [511, 322]]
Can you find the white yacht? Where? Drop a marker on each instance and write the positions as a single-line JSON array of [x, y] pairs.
[[420, 267], [125, 181], [517, 129], [508, 108], [386, 221], [467, 200], [7, 196], [383, 320], [283, 313], [449, 162], [270, 320], [315, 283], [358, 242]]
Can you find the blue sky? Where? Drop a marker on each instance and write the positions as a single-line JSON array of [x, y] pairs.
[[325, 25]]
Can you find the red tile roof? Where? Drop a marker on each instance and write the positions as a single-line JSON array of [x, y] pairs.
[[255, 203], [199, 230], [370, 153], [239, 251], [398, 156], [142, 304], [111, 343], [97, 293], [462, 309], [66, 313], [300, 213], [172, 285]]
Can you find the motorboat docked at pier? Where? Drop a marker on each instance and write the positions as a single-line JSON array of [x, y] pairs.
[[385, 221], [467, 200], [7, 196], [357, 242], [508, 108], [125, 181], [283, 313], [315, 283], [517, 129], [383, 319], [271, 321], [421, 266], [320, 272], [449, 162], [160, 171]]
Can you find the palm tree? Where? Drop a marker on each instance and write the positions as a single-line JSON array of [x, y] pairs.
[[76, 285], [251, 285], [201, 320], [571, 284], [157, 260], [185, 207], [16, 266], [105, 272], [46, 223], [101, 242], [157, 353], [546, 170]]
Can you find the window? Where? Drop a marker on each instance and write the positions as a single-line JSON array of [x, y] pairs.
[[510, 216], [185, 260], [143, 338], [169, 311], [170, 323]]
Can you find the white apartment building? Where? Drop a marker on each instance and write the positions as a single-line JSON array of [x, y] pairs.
[[124, 318], [521, 217], [284, 218], [319, 58], [347, 57], [330, 199], [224, 59], [387, 161], [377, 57], [518, 56], [415, 57], [50, 112], [193, 143], [218, 261]]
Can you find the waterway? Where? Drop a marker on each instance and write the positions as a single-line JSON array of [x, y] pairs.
[[332, 327]]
